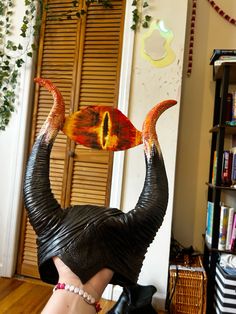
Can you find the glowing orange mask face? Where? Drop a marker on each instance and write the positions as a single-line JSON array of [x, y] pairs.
[[102, 127]]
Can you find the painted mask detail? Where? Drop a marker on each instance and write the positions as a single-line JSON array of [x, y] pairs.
[[102, 127]]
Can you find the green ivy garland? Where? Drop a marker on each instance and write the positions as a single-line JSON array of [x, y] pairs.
[[139, 16], [12, 54]]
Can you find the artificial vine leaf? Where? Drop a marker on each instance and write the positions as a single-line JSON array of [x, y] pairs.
[[106, 3], [148, 18], [75, 3], [145, 24], [19, 62], [5, 68], [9, 44], [135, 16], [1, 8], [24, 28], [14, 77]]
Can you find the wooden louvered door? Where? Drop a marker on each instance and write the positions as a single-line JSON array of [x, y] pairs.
[[82, 57], [98, 77]]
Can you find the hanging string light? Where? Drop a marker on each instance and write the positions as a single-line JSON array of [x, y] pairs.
[[191, 39], [222, 13]]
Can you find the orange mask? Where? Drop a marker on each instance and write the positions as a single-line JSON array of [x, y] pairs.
[[102, 127]]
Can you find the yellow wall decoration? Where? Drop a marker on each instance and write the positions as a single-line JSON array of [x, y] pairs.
[[156, 45]]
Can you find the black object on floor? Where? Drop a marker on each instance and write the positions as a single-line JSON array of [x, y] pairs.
[[135, 300]]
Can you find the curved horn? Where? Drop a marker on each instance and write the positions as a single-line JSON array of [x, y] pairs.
[[150, 210], [42, 208]]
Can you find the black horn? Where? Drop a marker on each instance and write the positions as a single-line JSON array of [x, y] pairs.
[[43, 209]]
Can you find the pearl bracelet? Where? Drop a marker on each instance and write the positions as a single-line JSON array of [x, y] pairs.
[[83, 294]]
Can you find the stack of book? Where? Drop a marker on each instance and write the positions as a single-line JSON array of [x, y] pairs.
[[219, 57], [227, 229], [230, 112], [225, 295], [228, 171], [223, 54]]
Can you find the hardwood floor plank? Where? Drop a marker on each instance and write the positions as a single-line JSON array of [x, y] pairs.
[[7, 286], [106, 305], [32, 302], [29, 296], [14, 296]]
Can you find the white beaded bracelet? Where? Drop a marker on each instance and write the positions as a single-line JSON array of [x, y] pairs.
[[83, 294]]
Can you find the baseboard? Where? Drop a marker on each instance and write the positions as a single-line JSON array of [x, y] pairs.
[[159, 302], [116, 292]]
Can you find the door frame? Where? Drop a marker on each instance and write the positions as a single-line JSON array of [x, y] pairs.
[[113, 292]]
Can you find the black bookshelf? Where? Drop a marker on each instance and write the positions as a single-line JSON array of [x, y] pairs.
[[222, 187], [223, 75]]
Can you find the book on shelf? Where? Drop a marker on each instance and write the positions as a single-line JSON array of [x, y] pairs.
[[214, 168], [228, 171], [226, 168], [217, 53], [233, 170], [209, 221], [233, 106], [218, 64], [224, 214], [233, 235], [229, 107], [229, 228], [227, 58]]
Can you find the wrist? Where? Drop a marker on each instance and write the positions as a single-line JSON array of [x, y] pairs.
[[80, 293], [84, 291], [63, 301]]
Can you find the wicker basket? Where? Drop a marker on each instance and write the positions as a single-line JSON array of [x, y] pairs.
[[188, 284]]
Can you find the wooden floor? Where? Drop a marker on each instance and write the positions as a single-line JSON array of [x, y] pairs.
[[28, 296], [20, 296]]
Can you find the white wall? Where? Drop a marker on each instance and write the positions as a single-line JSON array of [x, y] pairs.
[[150, 85], [13, 143], [211, 32]]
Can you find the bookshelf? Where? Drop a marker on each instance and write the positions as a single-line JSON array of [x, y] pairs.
[[224, 75]]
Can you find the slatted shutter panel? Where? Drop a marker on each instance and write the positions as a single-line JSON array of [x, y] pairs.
[[57, 61], [98, 84], [82, 57]]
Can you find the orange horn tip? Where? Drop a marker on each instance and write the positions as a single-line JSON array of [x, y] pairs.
[[149, 125], [56, 116]]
